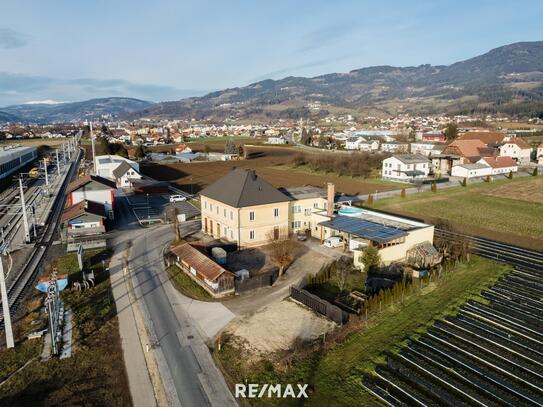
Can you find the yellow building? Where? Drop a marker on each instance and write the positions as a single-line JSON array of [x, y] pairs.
[[244, 208]]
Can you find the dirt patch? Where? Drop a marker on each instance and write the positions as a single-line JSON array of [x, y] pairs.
[[289, 320], [198, 175], [529, 192]]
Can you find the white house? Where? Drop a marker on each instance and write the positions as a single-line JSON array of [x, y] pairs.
[[471, 170], [426, 148], [539, 154], [105, 164], [276, 140], [405, 167], [394, 147], [518, 149], [499, 165], [370, 145], [124, 175], [353, 143]]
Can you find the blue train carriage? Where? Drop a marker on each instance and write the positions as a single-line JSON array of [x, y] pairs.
[[13, 158]]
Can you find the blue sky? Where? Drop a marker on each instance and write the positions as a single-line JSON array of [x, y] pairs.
[[66, 50]]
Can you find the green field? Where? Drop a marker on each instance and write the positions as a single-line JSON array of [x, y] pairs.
[[95, 373], [186, 285], [473, 206], [335, 375]]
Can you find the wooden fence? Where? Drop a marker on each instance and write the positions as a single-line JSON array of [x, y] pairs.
[[261, 280], [319, 305]]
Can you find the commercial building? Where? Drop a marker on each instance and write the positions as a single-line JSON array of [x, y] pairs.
[[84, 218], [471, 170]]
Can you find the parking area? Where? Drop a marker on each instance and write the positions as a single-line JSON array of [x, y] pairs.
[[153, 208]]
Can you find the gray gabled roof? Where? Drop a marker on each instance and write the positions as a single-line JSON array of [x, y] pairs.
[[241, 188], [121, 169]]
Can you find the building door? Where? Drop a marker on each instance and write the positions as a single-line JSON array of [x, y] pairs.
[[276, 233], [218, 230], [211, 227], [205, 225]]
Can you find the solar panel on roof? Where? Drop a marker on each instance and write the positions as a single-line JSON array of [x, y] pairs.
[[364, 228]]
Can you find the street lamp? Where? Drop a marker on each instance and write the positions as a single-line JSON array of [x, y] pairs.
[[148, 215]]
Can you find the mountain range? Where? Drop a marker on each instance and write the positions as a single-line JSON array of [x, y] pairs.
[[71, 111], [508, 80]]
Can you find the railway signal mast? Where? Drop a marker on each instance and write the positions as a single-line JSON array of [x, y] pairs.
[[23, 207]]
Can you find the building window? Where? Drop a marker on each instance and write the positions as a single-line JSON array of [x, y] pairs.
[[231, 234], [276, 212], [307, 211], [251, 216], [295, 224], [296, 209], [224, 213], [211, 207], [252, 235], [315, 205], [205, 204], [217, 209], [231, 215]]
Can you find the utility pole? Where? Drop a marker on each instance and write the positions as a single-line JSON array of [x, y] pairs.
[[93, 150], [23, 208], [45, 170], [58, 162], [5, 306]]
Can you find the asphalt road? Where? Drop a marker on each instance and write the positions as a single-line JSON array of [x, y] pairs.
[[185, 354]]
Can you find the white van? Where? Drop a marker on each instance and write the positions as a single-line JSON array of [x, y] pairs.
[[333, 241], [177, 198]]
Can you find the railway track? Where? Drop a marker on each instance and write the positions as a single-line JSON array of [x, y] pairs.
[[24, 280]]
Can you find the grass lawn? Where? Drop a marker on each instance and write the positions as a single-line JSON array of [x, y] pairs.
[[334, 375], [186, 285], [330, 291], [474, 206], [95, 373], [92, 260]]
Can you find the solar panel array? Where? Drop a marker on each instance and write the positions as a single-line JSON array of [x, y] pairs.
[[364, 228]]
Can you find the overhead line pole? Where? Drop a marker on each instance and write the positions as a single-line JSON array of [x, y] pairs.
[[93, 150], [5, 306], [25, 219]]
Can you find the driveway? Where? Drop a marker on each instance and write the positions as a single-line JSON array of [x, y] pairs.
[[307, 262]]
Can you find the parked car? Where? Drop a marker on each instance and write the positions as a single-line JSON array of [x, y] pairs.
[[333, 241], [177, 198], [301, 235]]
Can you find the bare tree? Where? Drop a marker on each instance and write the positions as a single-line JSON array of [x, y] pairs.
[[282, 248], [343, 267], [175, 222]]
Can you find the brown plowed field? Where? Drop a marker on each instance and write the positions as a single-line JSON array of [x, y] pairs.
[[262, 159]]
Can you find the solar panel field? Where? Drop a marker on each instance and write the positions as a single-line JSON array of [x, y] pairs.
[[490, 353]]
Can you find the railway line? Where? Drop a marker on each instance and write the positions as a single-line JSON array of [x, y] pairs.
[[24, 280]]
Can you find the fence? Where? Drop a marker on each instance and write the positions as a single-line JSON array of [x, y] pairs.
[[319, 305], [261, 280]]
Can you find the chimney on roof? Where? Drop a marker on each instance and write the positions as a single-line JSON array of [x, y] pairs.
[[330, 194]]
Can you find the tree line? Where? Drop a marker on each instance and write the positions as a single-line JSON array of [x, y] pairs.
[[359, 164]]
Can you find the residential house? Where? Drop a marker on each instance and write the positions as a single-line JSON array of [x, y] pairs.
[[92, 188], [353, 143], [105, 164], [500, 165], [210, 275], [369, 146], [276, 140], [487, 137], [244, 208], [471, 170], [460, 152], [426, 148], [539, 154], [435, 137], [393, 236], [124, 174], [518, 149], [394, 147], [405, 167], [84, 218]]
